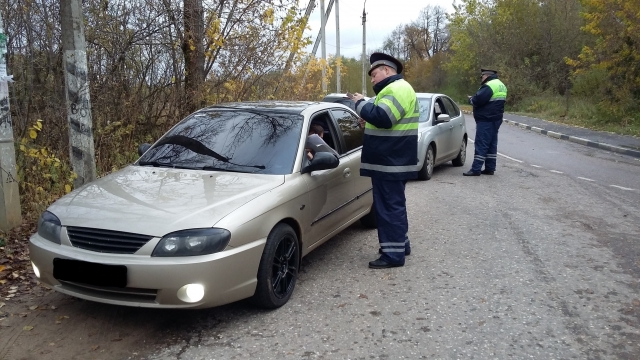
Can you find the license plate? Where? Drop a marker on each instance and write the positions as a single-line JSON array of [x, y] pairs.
[[90, 273]]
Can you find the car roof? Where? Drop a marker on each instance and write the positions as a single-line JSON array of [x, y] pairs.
[[427, 95], [293, 107], [281, 106]]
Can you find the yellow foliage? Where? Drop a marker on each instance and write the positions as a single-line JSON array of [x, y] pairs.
[[616, 27], [41, 174]]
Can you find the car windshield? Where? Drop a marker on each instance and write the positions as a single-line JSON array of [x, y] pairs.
[[425, 109], [248, 141]]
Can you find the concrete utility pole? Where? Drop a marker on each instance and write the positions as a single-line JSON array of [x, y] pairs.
[[318, 40], [364, 50], [319, 36], [323, 24], [338, 59], [81, 151], [10, 216]]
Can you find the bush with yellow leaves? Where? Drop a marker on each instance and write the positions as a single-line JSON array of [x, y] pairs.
[[42, 176]]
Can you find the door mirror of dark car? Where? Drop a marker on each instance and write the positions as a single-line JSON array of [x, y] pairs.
[[143, 148], [321, 161], [443, 118]]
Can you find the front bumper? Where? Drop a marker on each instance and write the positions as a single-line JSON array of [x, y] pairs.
[[154, 282]]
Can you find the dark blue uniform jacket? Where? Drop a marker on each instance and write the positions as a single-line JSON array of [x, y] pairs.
[[483, 109]]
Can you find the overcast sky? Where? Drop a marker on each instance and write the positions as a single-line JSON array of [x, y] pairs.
[[382, 17]]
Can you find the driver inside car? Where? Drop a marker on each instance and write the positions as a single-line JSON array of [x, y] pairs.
[[315, 144]]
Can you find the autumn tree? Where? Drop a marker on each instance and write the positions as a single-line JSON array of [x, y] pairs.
[[613, 60], [526, 40]]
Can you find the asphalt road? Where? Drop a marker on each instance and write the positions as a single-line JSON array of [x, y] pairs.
[[560, 156], [527, 263]]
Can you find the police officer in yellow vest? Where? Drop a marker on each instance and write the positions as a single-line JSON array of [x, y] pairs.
[[488, 110], [389, 154]]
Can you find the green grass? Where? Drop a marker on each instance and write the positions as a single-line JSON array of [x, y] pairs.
[[578, 112]]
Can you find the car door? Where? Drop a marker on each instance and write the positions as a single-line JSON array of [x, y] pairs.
[[330, 191], [457, 123], [352, 136], [444, 135]]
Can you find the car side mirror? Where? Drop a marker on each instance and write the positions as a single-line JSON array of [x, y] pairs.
[[444, 118], [143, 148], [321, 161]]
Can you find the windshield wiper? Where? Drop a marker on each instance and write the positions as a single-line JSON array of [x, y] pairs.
[[215, 168], [155, 164]]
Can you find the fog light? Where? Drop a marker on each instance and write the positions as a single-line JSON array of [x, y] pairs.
[[35, 270], [191, 293]]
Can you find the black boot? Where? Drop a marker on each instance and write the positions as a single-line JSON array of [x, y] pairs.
[[382, 264]]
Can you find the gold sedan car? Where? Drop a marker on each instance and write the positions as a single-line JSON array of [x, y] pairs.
[[220, 208]]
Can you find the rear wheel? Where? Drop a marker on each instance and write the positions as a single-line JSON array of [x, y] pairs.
[[427, 167], [462, 155], [278, 270]]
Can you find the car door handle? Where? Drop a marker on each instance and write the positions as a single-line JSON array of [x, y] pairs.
[[346, 173]]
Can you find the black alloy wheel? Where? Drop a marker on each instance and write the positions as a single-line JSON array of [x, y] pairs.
[[278, 270]]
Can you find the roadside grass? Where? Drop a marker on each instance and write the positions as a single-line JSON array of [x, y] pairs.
[[578, 112]]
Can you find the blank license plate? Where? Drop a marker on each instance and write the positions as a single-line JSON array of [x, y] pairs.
[[90, 273]]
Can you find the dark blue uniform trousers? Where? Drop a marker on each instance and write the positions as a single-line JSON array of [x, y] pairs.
[[486, 146], [390, 205]]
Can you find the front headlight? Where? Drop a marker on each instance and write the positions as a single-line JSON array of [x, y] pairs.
[[192, 242], [49, 227]]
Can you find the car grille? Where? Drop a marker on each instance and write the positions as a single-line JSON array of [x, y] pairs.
[[106, 241], [114, 294]]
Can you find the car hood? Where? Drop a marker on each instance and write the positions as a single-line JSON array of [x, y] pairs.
[[157, 201]]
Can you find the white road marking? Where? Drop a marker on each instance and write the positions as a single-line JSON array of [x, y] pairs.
[[622, 188], [508, 157], [556, 171], [536, 166], [583, 178]]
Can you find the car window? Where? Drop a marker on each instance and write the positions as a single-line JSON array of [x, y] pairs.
[[341, 100], [230, 140], [349, 125], [425, 109], [329, 136], [452, 109], [438, 108]]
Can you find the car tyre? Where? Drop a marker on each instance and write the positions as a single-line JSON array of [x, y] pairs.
[[278, 269], [427, 167], [370, 220], [462, 155]]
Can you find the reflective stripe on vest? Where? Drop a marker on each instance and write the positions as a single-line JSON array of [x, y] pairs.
[[398, 100], [498, 89], [401, 107]]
